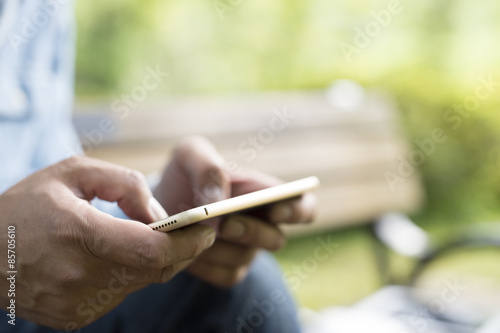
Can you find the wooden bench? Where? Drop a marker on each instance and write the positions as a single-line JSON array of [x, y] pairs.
[[350, 151]]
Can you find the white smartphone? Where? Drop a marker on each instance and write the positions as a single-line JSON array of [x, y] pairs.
[[237, 204]]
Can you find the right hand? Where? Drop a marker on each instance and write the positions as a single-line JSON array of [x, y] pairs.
[[74, 263]]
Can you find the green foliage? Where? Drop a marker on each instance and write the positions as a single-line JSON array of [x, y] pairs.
[[279, 44]]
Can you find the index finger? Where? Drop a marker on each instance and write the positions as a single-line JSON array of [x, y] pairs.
[[297, 210]]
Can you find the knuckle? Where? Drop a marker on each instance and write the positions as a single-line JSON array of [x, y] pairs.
[[74, 160], [166, 274], [196, 249], [69, 165], [150, 256], [136, 178]]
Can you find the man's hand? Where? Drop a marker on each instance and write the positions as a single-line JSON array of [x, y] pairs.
[[196, 176], [76, 263]]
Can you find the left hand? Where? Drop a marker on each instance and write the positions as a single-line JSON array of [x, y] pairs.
[[196, 176]]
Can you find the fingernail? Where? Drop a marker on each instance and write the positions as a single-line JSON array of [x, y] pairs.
[[233, 229], [210, 239], [281, 212], [156, 209]]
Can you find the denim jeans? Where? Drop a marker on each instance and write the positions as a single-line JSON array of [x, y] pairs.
[[261, 303]]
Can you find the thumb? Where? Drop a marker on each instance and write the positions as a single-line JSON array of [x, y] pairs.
[[206, 169], [135, 244]]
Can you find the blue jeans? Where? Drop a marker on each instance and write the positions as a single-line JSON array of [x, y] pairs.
[[261, 303]]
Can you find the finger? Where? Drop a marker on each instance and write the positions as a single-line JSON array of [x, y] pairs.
[[251, 181], [249, 231], [58, 314], [169, 272], [229, 254], [206, 169], [218, 275], [159, 276], [91, 178], [136, 278], [135, 244], [104, 274], [298, 210], [46, 319], [68, 316]]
